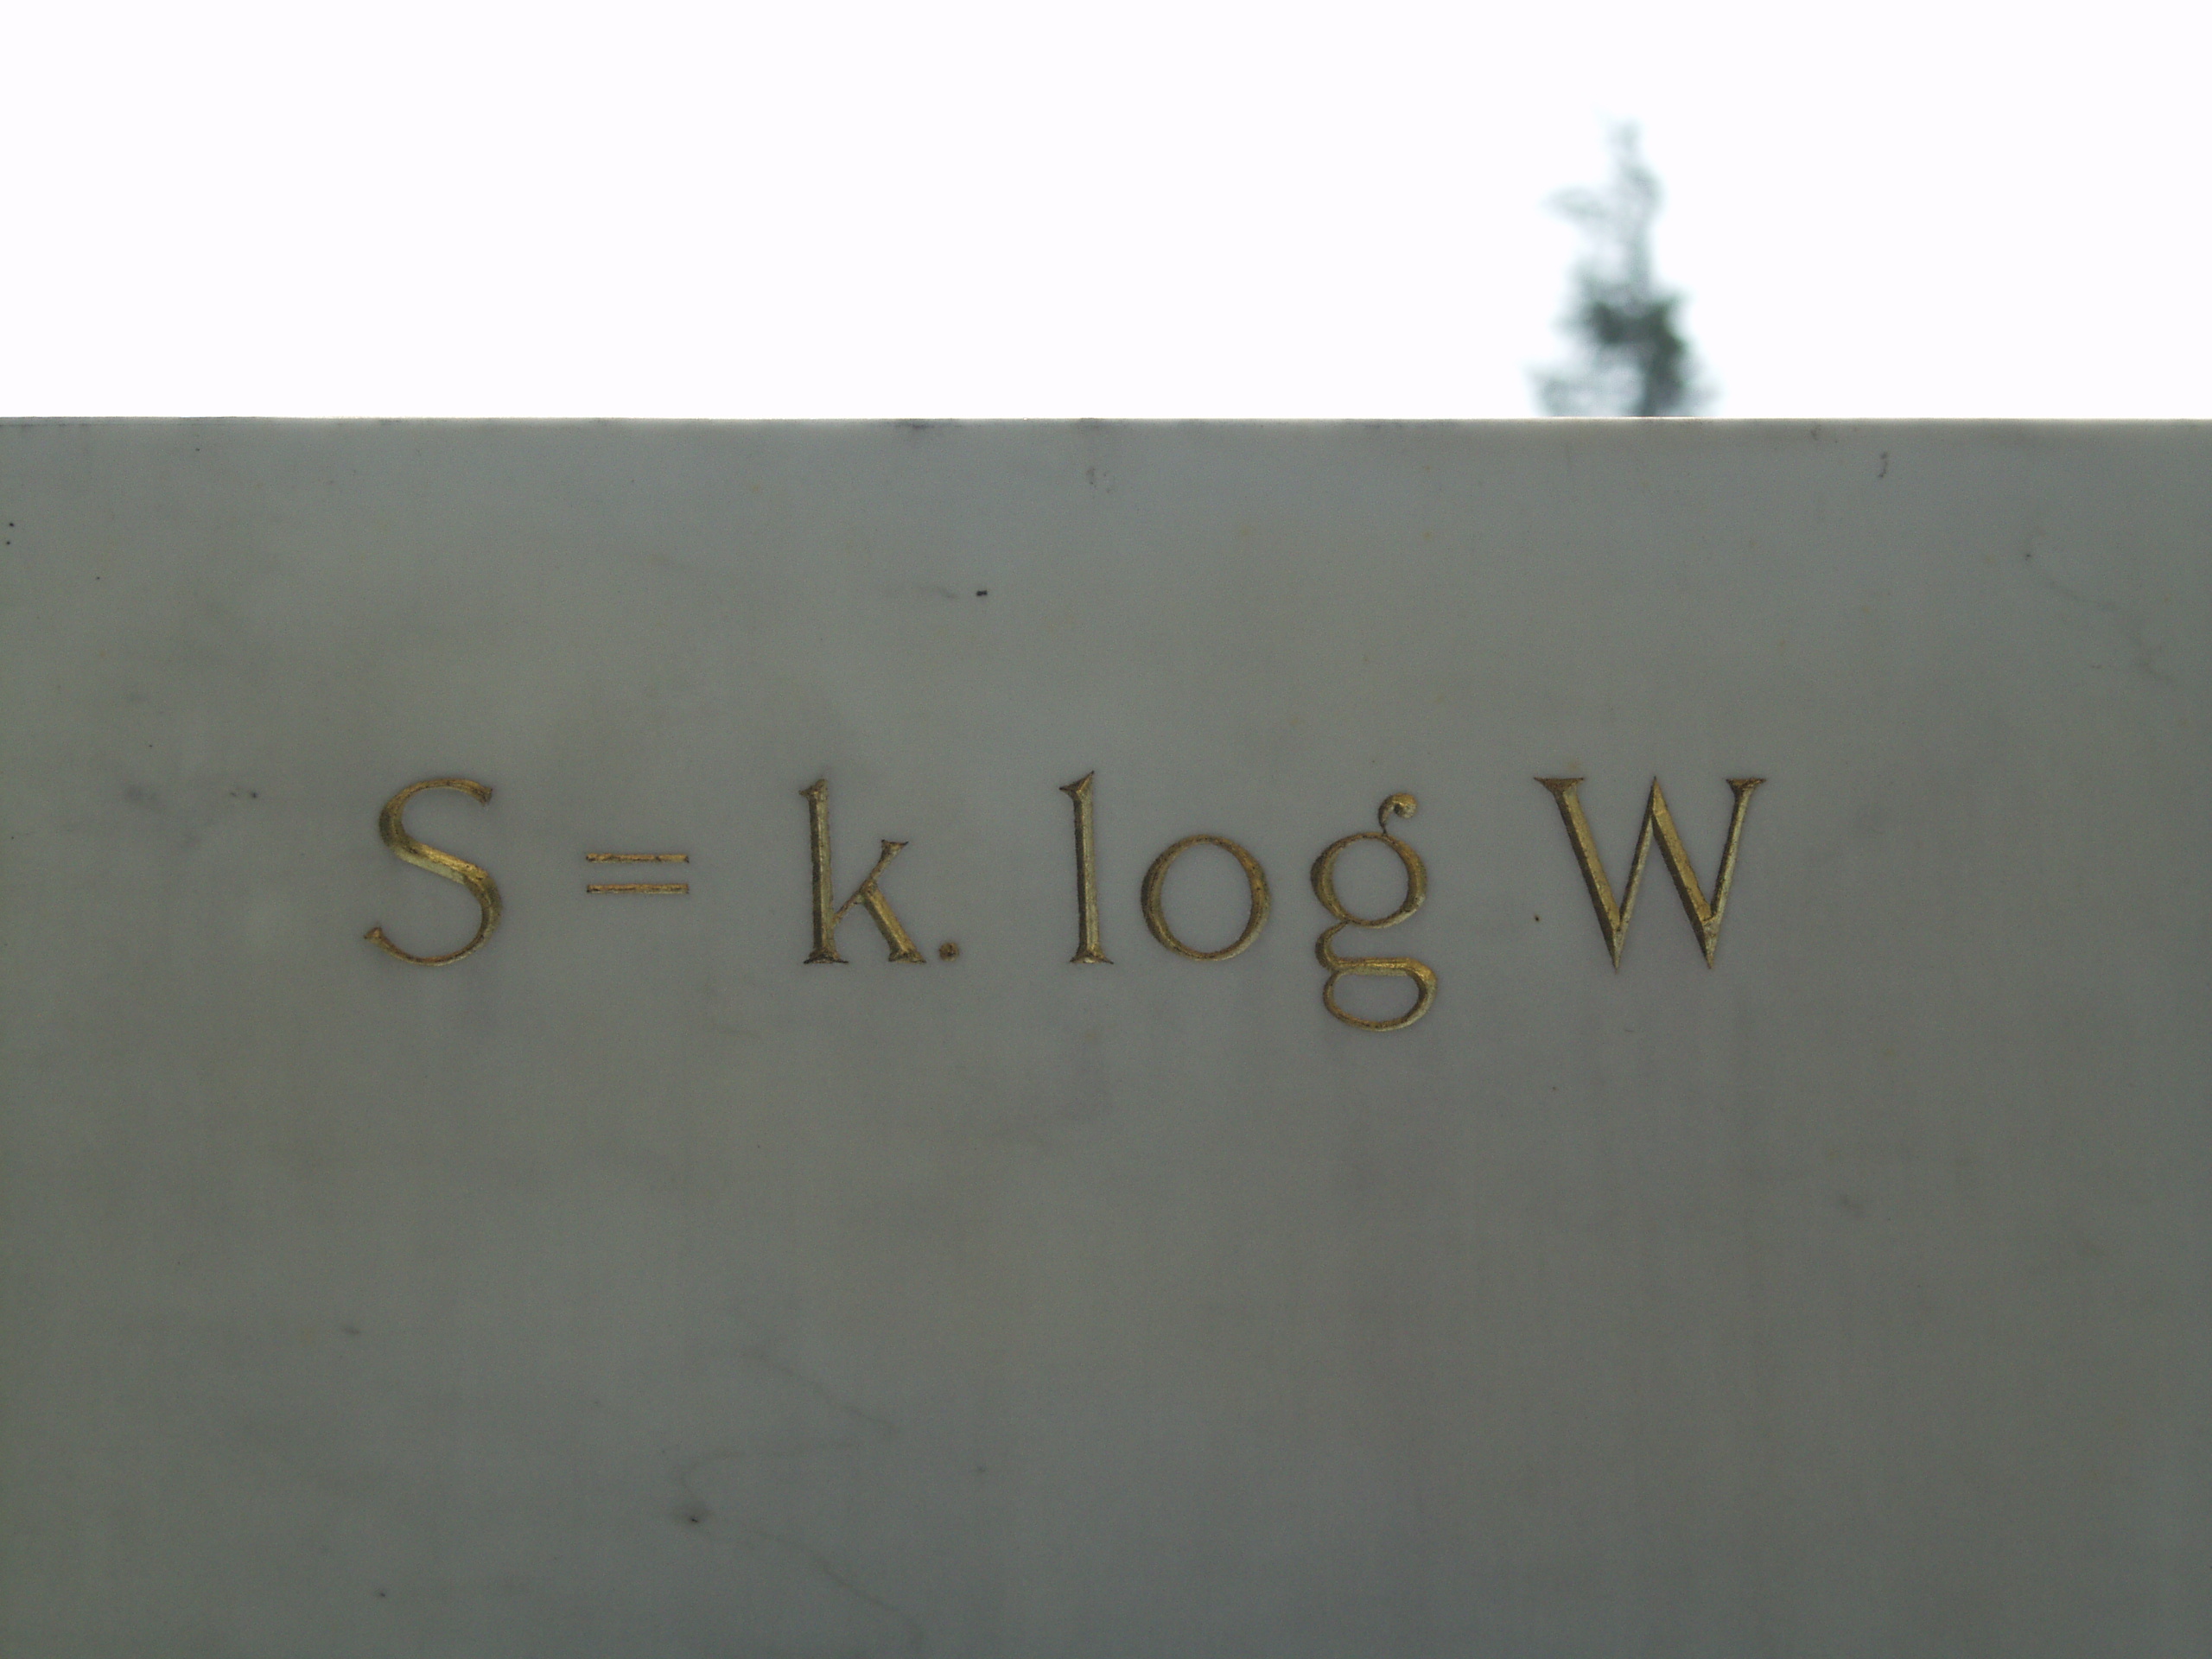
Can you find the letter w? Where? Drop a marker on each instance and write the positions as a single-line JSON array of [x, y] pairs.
[[1612, 919]]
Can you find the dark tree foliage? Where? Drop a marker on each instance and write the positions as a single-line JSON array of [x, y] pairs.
[[1634, 359]]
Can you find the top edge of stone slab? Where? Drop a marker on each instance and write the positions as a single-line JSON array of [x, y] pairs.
[[1812, 426]]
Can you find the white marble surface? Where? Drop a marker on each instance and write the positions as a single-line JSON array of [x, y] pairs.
[[631, 1288]]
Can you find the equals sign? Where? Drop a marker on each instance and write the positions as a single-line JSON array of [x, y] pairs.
[[637, 887]]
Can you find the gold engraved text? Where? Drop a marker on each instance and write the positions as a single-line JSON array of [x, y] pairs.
[[637, 887], [1325, 889], [1612, 919], [1156, 878], [869, 895], [391, 827], [1088, 949]]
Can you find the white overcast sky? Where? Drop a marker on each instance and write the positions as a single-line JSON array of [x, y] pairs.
[[1194, 209]]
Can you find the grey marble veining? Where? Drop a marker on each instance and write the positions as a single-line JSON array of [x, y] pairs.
[[632, 1288]]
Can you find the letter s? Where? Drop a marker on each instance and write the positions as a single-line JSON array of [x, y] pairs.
[[477, 880]]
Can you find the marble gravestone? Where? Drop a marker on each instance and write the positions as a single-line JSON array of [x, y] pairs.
[[774, 1040]]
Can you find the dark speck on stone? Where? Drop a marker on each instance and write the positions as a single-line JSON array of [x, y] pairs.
[[982, 593]]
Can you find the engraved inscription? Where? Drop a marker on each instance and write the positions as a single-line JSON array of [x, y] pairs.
[[1705, 913], [869, 895], [637, 858], [1088, 949], [1325, 889], [1155, 916], [391, 826], [1612, 919]]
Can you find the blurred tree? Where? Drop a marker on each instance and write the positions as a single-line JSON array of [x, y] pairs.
[[1634, 358]]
